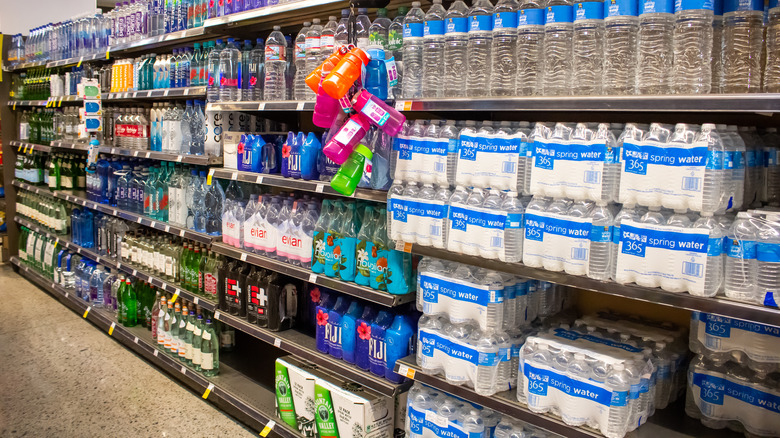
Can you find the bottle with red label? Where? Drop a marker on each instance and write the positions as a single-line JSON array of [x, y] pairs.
[[348, 136], [275, 66]]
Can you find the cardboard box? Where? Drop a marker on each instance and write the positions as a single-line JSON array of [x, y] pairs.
[[294, 386], [348, 410]]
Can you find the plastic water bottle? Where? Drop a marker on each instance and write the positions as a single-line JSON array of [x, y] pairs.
[[558, 31], [504, 49], [275, 66], [456, 39], [717, 46], [213, 60], [433, 51], [313, 56], [628, 212], [714, 268], [413, 52], [654, 46], [478, 51], [299, 54], [485, 342], [451, 133], [738, 165], [378, 30], [601, 246], [621, 24], [742, 45], [772, 72], [768, 264], [530, 48], [741, 265], [713, 191], [513, 233], [362, 28], [617, 381], [395, 46], [692, 41], [587, 48]]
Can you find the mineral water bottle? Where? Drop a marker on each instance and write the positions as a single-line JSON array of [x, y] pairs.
[[621, 25], [618, 382], [433, 51], [587, 48], [456, 39], [772, 167], [558, 48], [513, 233], [377, 33], [772, 72], [478, 50], [738, 165], [494, 245], [743, 29], [509, 320], [413, 52], [741, 265], [654, 47], [395, 190], [601, 246], [530, 48], [313, 56], [341, 36], [504, 50], [275, 66], [717, 46], [680, 220], [424, 234], [299, 54], [451, 133], [714, 269], [713, 189], [768, 264], [328, 38], [628, 212], [533, 245], [692, 42]]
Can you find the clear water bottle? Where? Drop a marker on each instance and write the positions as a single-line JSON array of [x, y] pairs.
[[341, 36], [743, 29], [558, 31], [530, 48], [513, 233], [714, 268], [456, 39], [772, 72], [768, 264], [504, 50], [741, 265], [299, 54], [772, 167], [601, 246], [478, 50], [587, 48], [713, 190], [738, 165], [485, 343], [377, 33], [362, 27], [413, 52], [313, 56], [628, 212], [228, 72], [395, 47], [620, 62], [451, 132], [717, 46], [212, 86], [328, 38], [433, 51], [692, 43], [618, 382], [275, 66]]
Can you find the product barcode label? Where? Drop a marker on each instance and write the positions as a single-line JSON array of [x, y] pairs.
[[592, 177], [690, 183], [712, 342], [508, 167], [435, 230], [439, 167], [692, 269], [579, 253], [707, 409], [497, 242]]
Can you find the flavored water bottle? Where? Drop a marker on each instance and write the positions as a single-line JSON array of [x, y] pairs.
[[413, 52], [504, 50], [741, 264], [654, 47], [620, 60], [601, 245], [558, 31], [692, 44], [588, 48], [433, 51], [479, 48], [275, 87], [768, 264], [742, 45], [456, 25], [530, 48]]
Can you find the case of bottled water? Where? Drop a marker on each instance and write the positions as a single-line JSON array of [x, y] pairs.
[[587, 379], [418, 215], [730, 395], [751, 344], [488, 155]]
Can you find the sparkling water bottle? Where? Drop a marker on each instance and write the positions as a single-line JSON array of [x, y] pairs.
[[558, 31], [433, 51], [504, 50], [413, 52], [654, 47], [479, 49], [530, 48], [692, 42], [741, 265], [743, 29], [587, 48], [620, 30], [455, 42]]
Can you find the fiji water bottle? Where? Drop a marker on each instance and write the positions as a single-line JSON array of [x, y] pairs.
[[363, 337], [322, 314], [349, 331], [377, 345], [333, 327]]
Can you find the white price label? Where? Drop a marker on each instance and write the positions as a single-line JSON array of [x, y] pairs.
[[259, 180], [216, 314], [234, 176], [320, 188], [277, 343], [300, 106], [156, 352], [183, 369], [313, 278], [135, 339], [167, 228], [243, 257]]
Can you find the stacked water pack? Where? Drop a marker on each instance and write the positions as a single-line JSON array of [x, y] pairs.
[[734, 382], [587, 378], [752, 257], [570, 236]]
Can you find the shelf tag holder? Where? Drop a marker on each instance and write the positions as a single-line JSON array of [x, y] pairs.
[[207, 391], [268, 428]]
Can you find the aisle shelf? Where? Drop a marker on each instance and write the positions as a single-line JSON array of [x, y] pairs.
[[291, 341], [296, 184], [54, 102], [254, 405], [77, 60], [352, 289], [670, 422], [265, 14], [160, 93], [25, 66], [113, 211], [725, 103], [717, 305], [277, 105], [167, 40], [200, 160], [25, 147]]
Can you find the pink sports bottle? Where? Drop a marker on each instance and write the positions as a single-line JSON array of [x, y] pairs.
[[343, 143], [378, 113]]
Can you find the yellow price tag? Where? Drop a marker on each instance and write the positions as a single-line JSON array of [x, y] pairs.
[[20, 148], [111, 329], [79, 64], [14, 108], [406, 371], [208, 391], [208, 178], [59, 104], [408, 105], [173, 298], [26, 147], [268, 428], [107, 52], [86, 312]]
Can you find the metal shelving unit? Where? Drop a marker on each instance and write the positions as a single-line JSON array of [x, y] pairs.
[[296, 184], [263, 15], [199, 160], [231, 390], [280, 105], [160, 93]]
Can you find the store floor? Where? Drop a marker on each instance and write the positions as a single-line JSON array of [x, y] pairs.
[[62, 377]]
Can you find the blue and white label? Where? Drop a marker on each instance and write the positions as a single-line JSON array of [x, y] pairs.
[[504, 20], [570, 169], [476, 231], [618, 8], [740, 249], [488, 161], [688, 5], [417, 220], [588, 11], [760, 342], [480, 23], [742, 5], [565, 241], [439, 425], [530, 17], [457, 25], [559, 14], [462, 300], [421, 159], [656, 7], [540, 380], [433, 28], [413, 30]]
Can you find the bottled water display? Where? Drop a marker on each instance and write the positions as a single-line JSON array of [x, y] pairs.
[[588, 48], [721, 339]]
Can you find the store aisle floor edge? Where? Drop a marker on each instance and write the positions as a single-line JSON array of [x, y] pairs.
[[63, 377]]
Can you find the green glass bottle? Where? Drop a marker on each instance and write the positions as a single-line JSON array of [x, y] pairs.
[[175, 329], [130, 304], [209, 350], [197, 342], [188, 336]]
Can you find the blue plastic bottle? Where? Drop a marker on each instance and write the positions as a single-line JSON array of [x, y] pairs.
[[399, 344], [256, 145], [321, 317], [87, 233], [377, 349], [100, 193], [309, 152], [363, 337], [244, 153], [333, 327], [291, 155], [376, 73], [349, 332]]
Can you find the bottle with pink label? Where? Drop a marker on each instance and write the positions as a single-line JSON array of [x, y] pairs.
[[375, 111], [343, 143]]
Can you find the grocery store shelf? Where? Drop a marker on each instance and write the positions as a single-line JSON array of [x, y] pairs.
[[25, 147], [266, 14], [200, 160], [305, 274], [291, 341], [728, 103], [77, 60], [279, 105], [296, 184], [52, 102], [167, 40], [232, 391], [26, 65], [169, 93], [126, 215], [720, 306], [670, 422]]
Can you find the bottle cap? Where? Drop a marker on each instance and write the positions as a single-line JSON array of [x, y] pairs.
[[364, 151]]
